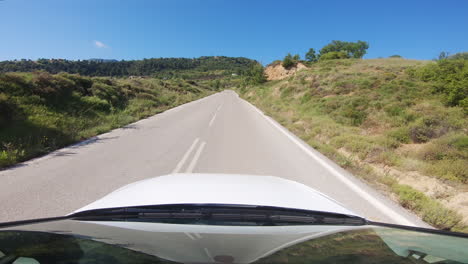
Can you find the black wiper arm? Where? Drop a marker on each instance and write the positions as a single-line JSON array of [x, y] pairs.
[[219, 215]]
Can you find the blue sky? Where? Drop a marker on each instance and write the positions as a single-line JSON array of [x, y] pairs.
[[261, 30]]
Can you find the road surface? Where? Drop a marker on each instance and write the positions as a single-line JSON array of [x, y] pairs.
[[218, 134]]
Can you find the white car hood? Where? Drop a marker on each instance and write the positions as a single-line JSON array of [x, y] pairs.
[[219, 189]]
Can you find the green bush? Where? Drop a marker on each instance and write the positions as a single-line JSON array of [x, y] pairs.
[[394, 110], [111, 93], [96, 103], [55, 89], [431, 211], [427, 128], [334, 55], [8, 110], [400, 134], [448, 77], [448, 169], [81, 84], [14, 84], [289, 61], [460, 142], [354, 110]]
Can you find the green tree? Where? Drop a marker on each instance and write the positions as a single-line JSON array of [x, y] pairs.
[[255, 75], [352, 49], [443, 55], [311, 56], [357, 49], [335, 45]]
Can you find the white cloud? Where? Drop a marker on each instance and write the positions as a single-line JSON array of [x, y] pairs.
[[99, 44]]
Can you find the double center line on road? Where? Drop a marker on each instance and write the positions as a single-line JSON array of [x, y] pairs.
[[195, 158], [198, 152]]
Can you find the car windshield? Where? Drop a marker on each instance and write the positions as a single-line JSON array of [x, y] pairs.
[[119, 241]]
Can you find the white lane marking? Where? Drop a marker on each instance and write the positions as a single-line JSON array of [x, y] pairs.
[[197, 235], [195, 158], [212, 119], [219, 108], [184, 158], [208, 253], [189, 235], [366, 196]]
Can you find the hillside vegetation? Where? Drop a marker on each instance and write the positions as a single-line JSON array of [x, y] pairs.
[[399, 124], [187, 68], [40, 112]]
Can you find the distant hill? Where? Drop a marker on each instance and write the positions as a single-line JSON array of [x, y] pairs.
[[159, 67], [459, 56], [102, 60]]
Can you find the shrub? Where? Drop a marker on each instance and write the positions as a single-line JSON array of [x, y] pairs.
[[288, 61], [15, 84], [394, 110], [8, 110], [81, 84], [334, 55], [447, 77], [55, 89], [427, 128], [448, 169], [431, 211], [354, 110], [400, 134], [460, 142], [111, 93], [96, 103]]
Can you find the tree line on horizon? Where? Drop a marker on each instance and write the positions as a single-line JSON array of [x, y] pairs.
[[145, 67]]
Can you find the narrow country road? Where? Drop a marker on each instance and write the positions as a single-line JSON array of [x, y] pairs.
[[218, 134]]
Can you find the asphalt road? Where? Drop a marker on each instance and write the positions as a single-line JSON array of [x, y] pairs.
[[218, 134]]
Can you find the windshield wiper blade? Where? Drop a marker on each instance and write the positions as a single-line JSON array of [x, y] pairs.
[[219, 215]]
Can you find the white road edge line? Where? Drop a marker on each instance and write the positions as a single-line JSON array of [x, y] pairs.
[[184, 158], [212, 120], [366, 196], [196, 157]]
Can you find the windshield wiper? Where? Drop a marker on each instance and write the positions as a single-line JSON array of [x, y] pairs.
[[216, 214]]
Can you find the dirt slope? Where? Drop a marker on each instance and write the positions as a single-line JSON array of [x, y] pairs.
[[278, 72]]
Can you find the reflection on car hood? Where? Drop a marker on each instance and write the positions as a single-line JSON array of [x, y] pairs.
[[219, 189], [184, 243], [134, 242]]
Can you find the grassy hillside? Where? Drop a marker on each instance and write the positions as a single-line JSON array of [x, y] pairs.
[[391, 121], [40, 112]]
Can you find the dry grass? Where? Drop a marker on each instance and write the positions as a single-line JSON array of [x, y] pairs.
[[369, 114]]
